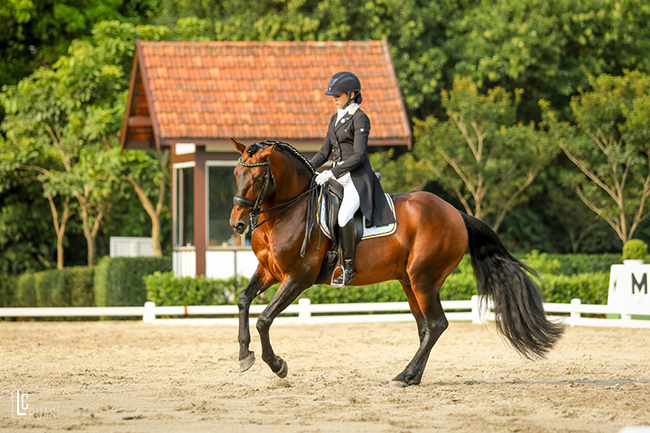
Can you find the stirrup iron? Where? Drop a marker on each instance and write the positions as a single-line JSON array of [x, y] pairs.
[[332, 283]]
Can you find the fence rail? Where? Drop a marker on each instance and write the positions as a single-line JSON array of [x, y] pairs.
[[307, 313]]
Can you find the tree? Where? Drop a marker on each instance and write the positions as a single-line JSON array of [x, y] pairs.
[[36, 33], [481, 154], [548, 47], [147, 173], [22, 226], [609, 143], [63, 124]]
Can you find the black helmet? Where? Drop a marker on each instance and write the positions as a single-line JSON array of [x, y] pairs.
[[343, 82]]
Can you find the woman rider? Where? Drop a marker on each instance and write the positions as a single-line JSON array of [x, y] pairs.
[[347, 143]]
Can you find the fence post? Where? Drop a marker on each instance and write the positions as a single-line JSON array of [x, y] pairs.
[[149, 315], [625, 315], [575, 314], [304, 308], [476, 310]]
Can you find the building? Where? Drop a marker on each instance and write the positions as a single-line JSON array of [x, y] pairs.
[[192, 97]]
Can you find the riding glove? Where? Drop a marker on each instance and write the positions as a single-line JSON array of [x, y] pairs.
[[324, 177]]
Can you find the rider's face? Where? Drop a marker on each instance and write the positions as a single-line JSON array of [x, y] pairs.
[[340, 100]]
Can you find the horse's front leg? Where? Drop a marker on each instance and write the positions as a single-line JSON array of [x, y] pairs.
[[286, 294], [259, 283]]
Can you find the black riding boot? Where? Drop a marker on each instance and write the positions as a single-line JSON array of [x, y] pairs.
[[348, 246]]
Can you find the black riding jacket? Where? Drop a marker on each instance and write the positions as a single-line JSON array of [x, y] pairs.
[[347, 142]]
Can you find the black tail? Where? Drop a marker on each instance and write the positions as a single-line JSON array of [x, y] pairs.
[[518, 308]]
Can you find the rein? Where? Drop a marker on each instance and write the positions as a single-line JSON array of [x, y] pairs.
[[256, 205]]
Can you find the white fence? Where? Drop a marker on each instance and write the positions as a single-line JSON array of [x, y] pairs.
[[307, 313]]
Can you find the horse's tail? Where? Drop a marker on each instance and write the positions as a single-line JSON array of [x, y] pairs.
[[518, 308]]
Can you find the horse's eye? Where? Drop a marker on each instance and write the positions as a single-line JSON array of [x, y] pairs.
[[258, 179]]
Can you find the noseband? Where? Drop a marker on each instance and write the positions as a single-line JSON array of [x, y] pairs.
[[256, 205]]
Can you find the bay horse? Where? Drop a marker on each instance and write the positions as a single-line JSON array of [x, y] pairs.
[[432, 237]]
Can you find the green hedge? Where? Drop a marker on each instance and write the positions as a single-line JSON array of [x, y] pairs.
[[570, 264], [119, 281], [166, 289], [591, 288], [69, 287], [7, 288]]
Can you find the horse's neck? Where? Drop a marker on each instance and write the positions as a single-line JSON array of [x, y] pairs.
[[292, 181]]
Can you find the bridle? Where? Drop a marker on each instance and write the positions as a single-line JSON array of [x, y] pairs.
[[256, 206]]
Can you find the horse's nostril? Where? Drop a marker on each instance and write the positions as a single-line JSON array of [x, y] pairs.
[[239, 228]]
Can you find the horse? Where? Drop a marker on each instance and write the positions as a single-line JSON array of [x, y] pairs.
[[432, 236]]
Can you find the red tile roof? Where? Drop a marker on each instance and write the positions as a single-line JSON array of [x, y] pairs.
[[207, 92]]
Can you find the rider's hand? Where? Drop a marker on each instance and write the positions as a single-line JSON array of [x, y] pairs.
[[324, 177]]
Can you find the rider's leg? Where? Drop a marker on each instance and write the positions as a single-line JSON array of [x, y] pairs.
[[349, 206]]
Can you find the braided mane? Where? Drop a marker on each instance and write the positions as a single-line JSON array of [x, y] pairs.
[[252, 149]]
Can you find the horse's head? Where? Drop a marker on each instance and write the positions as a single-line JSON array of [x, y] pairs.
[[254, 183]]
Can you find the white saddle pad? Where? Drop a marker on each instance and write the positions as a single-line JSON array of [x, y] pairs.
[[368, 232]]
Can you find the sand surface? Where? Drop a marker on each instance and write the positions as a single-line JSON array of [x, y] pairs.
[[134, 377]]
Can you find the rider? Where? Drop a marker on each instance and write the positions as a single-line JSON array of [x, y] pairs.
[[347, 143]]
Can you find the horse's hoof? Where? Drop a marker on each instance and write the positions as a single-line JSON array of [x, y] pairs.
[[284, 370], [398, 384], [247, 362]]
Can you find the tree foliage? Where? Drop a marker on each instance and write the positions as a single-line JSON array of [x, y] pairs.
[[481, 153], [549, 47], [63, 122], [609, 142], [36, 33]]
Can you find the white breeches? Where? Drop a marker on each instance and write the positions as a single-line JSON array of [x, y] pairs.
[[351, 200]]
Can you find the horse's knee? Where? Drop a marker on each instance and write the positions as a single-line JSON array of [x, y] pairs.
[[243, 301]]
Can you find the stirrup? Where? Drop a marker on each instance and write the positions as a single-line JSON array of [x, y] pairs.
[[332, 283]]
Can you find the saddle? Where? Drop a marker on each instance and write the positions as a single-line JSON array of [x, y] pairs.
[[332, 196]]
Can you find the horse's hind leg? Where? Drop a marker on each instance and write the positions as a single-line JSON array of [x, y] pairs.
[[435, 323], [257, 285], [415, 309]]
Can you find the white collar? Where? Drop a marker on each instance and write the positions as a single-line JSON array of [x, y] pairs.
[[351, 109]]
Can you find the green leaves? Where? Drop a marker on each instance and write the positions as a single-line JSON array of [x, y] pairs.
[[609, 144], [480, 153], [548, 48]]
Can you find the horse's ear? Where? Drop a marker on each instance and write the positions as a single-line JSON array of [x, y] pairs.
[[266, 152], [239, 146]]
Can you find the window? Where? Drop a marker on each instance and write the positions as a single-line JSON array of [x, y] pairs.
[[222, 187], [184, 204]]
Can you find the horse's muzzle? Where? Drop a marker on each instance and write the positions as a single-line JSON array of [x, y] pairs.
[[238, 226]]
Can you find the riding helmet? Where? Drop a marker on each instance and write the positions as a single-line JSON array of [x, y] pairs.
[[343, 82]]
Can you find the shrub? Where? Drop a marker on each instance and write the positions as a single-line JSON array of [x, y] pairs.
[[26, 291], [166, 289], [79, 282], [119, 280], [590, 288], [69, 287], [7, 291], [390, 291], [582, 263], [635, 249], [581, 282]]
